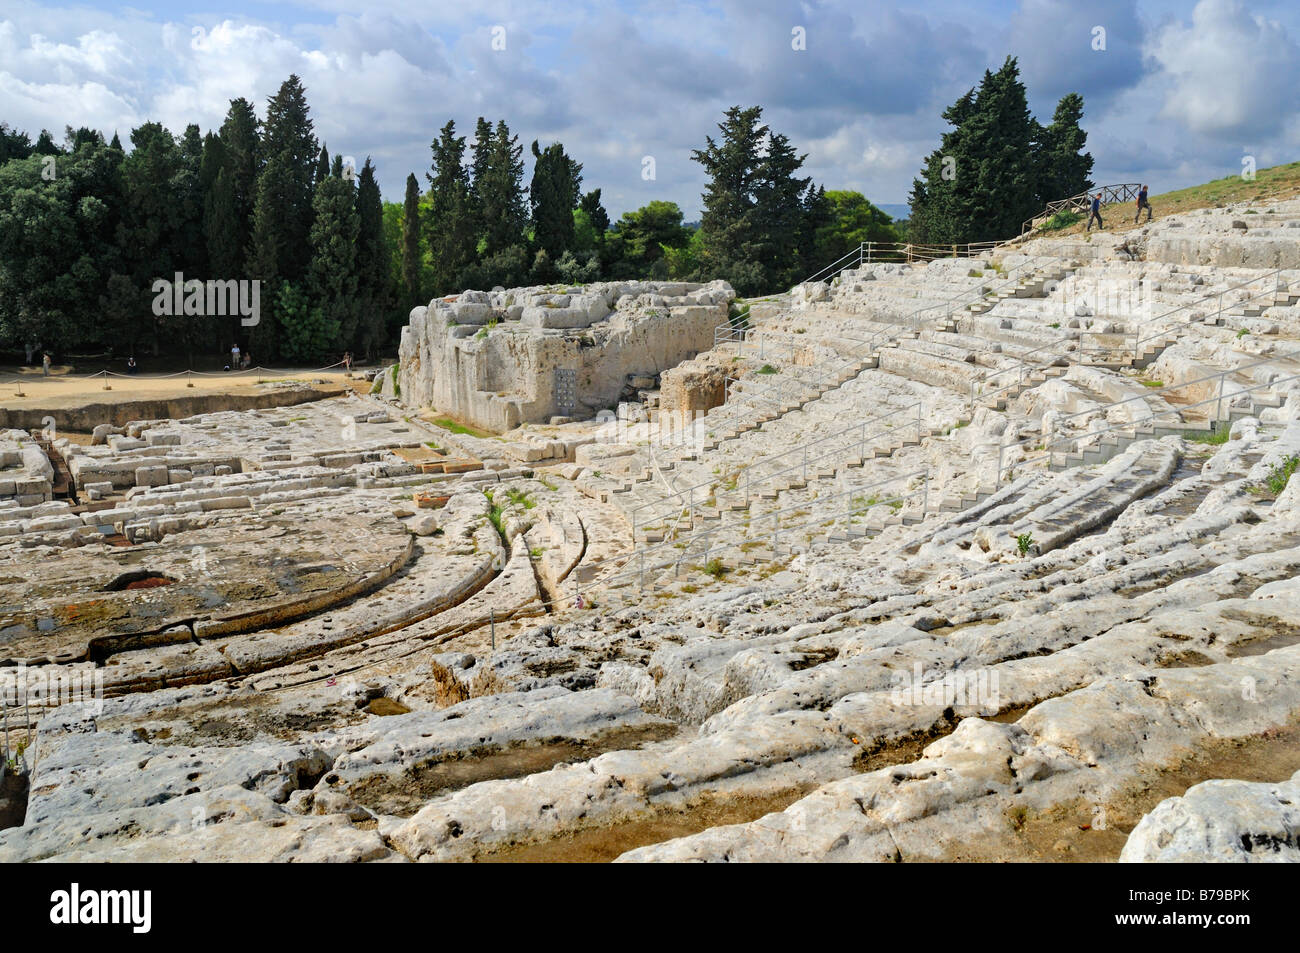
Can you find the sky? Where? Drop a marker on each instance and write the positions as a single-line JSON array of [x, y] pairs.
[[1174, 93]]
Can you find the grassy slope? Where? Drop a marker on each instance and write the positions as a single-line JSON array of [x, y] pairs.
[[1278, 182]]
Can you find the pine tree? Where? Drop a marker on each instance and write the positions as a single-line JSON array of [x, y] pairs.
[[986, 178], [553, 195], [450, 227], [779, 209], [753, 204], [1064, 168], [45, 145], [322, 166], [332, 278], [411, 262]]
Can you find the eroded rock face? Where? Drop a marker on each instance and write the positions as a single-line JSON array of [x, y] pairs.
[[499, 359], [1222, 822], [882, 623]]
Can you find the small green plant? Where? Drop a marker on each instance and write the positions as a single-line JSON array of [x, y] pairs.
[[768, 369], [1055, 325], [1024, 542], [397, 385], [1062, 219], [521, 498], [1215, 437], [446, 423], [974, 273], [1279, 474], [494, 515], [1153, 383], [1242, 333], [482, 333], [451, 321], [536, 552], [715, 568]]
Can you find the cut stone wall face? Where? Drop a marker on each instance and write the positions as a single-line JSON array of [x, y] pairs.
[[490, 359]]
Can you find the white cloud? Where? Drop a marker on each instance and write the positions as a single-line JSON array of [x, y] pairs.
[[1228, 71]]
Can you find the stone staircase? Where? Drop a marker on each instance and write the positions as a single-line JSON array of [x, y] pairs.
[[1033, 285], [1114, 442]]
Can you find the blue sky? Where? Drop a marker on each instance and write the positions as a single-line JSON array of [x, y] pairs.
[[1180, 93]]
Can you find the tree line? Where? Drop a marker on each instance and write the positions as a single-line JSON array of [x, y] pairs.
[[87, 228]]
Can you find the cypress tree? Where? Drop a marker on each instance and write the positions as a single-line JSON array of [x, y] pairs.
[[282, 212], [332, 278], [501, 196], [411, 242], [373, 291], [754, 204], [480, 165], [727, 227], [239, 147], [553, 195], [451, 233]]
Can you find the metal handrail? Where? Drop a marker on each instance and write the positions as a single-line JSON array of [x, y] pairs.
[[681, 546], [707, 485], [1220, 376], [1064, 342], [1275, 275], [802, 466]]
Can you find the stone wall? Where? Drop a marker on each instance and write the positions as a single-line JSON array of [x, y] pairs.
[[490, 359]]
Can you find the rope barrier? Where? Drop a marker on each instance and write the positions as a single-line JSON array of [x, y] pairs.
[[259, 371]]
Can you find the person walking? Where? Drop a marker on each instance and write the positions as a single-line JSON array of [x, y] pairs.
[[1096, 212], [45, 363], [1142, 203]]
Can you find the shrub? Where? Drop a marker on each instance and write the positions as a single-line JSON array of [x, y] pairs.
[[1024, 542], [715, 568]]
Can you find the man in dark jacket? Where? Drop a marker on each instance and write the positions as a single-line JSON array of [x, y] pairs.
[[1096, 212]]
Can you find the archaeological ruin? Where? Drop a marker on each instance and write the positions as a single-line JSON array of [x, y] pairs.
[[986, 556]]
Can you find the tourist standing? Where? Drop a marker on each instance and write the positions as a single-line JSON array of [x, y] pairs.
[[45, 363], [234, 356]]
